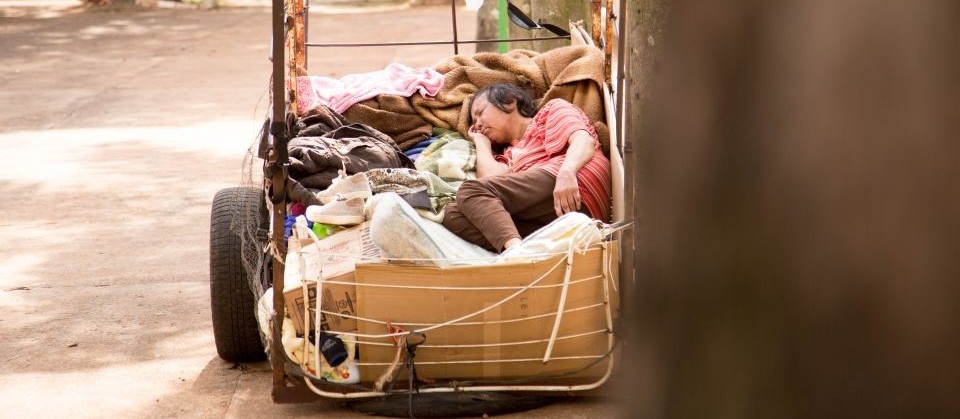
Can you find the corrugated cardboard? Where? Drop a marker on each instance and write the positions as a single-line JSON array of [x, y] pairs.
[[338, 298], [528, 317], [334, 259]]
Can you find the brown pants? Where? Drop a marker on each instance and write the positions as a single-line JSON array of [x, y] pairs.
[[495, 209]]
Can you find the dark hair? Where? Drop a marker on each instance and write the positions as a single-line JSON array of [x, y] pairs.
[[503, 94]]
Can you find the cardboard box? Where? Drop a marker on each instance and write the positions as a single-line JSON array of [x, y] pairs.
[[332, 259], [338, 298], [508, 339]]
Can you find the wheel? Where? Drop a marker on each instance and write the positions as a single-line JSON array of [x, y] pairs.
[[232, 302]]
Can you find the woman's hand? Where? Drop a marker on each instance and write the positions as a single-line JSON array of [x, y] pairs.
[[480, 140], [487, 165], [566, 193]]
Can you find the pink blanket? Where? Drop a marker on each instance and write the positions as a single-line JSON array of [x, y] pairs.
[[340, 94]]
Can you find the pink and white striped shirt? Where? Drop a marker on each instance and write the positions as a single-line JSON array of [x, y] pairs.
[[544, 146]]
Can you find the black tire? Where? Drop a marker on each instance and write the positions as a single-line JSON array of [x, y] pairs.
[[449, 405], [232, 302]]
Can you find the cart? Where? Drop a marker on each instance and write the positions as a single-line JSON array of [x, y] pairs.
[[433, 337]]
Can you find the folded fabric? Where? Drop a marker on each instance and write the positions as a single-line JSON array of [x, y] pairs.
[[405, 182], [340, 94]]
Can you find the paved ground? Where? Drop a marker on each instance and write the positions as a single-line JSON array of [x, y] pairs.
[[116, 129]]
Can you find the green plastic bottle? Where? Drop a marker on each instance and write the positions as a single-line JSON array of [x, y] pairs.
[[323, 230]]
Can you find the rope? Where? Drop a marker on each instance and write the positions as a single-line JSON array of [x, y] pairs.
[[487, 345], [513, 320], [486, 361], [606, 275], [273, 250], [525, 258], [466, 316], [608, 264], [451, 288], [391, 373], [520, 290], [560, 306]]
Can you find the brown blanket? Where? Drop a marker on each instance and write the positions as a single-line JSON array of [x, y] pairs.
[[574, 73], [392, 115]]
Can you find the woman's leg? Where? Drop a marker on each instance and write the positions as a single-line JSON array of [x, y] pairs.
[[488, 210]]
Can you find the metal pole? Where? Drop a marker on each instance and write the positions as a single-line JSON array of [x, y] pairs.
[[453, 18], [276, 163]]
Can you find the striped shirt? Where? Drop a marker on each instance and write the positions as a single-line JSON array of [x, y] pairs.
[[544, 146]]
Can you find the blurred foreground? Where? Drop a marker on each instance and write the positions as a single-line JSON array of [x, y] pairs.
[[800, 215]]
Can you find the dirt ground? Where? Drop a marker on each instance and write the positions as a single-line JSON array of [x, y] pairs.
[[116, 129]]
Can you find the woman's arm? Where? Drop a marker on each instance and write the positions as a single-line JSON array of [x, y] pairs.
[[486, 164], [566, 193]]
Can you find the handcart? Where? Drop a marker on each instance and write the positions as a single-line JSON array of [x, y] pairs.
[[478, 333]]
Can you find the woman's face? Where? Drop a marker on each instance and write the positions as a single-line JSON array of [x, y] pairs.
[[491, 121]]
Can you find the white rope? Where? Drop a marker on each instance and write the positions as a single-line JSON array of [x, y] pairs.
[[449, 288], [520, 259], [511, 320], [559, 313], [608, 265], [560, 306], [459, 321], [609, 229], [488, 345], [606, 301], [579, 243], [466, 316], [486, 361], [273, 250]]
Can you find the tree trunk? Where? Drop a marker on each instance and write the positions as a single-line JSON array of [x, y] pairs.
[[559, 13], [556, 12], [487, 23]]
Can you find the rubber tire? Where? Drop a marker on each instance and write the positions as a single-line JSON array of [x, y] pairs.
[[232, 303], [449, 405]]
